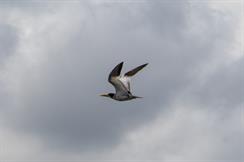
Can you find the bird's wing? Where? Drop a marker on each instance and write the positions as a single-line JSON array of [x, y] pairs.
[[114, 79], [126, 81], [127, 77], [120, 87], [115, 72], [134, 71]]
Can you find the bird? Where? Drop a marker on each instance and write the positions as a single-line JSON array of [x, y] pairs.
[[121, 83]]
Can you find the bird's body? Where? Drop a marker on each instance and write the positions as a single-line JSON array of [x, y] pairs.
[[121, 83]]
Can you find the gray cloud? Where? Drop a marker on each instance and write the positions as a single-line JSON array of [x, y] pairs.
[[56, 95], [62, 103], [8, 41], [8, 44], [224, 88]]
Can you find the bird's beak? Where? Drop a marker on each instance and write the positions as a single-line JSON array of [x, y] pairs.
[[104, 95]]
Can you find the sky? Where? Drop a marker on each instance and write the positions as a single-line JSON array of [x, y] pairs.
[[55, 58]]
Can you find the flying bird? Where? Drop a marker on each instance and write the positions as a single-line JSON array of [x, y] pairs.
[[121, 83]]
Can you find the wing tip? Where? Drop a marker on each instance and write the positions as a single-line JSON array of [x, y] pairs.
[[145, 64], [116, 70], [134, 71]]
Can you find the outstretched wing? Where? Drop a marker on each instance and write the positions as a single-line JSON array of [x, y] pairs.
[[115, 72], [114, 79], [126, 78], [126, 81], [134, 71]]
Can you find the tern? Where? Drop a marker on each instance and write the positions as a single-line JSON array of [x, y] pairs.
[[121, 83]]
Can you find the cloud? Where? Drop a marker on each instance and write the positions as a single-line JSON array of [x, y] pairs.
[[59, 99], [8, 41], [59, 66]]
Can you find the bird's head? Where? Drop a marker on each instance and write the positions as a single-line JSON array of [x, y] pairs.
[[110, 95]]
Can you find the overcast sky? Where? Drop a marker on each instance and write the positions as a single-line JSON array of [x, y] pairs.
[[55, 58]]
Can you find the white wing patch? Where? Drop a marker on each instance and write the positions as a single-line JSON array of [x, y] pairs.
[[119, 86], [126, 81]]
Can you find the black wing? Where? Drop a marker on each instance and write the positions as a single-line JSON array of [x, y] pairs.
[[134, 71], [115, 72], [114, 80]]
